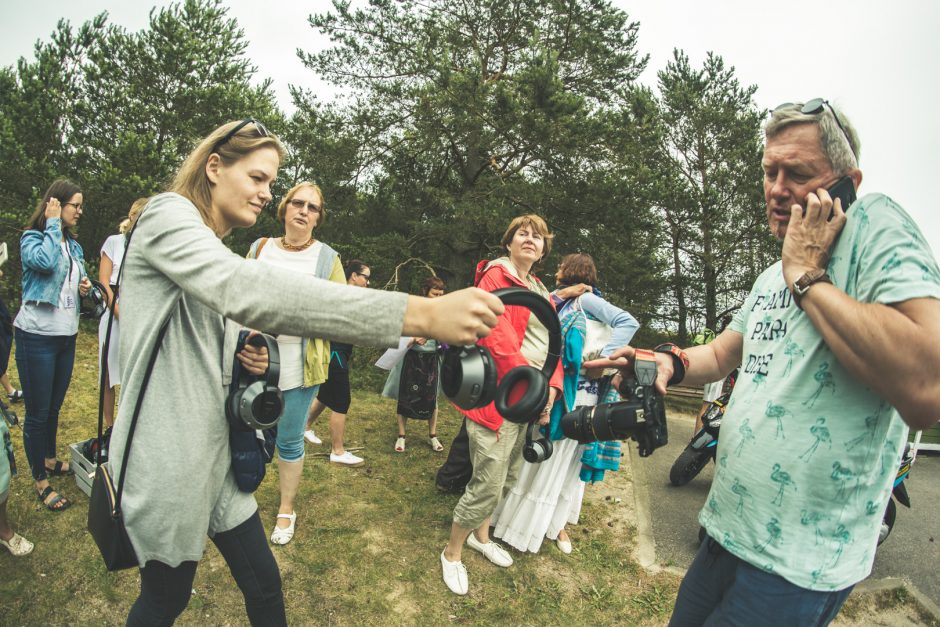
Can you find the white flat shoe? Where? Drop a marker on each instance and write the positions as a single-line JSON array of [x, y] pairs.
[[18, 545], [564, 546], [455, 576], [283, 535], [491, 551], [311, 437]]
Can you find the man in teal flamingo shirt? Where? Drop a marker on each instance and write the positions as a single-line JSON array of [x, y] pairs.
[[839, 350]]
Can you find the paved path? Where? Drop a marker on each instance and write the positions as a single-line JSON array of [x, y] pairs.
[[911, 552]]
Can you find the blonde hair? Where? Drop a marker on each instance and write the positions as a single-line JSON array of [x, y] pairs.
[[191, 181], [132, 215], [282, 206], [536, 223]]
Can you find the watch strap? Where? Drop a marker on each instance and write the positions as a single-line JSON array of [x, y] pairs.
[[802, 284], [680, 361]]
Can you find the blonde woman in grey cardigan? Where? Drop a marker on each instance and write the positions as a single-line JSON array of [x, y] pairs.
[[179, 486]]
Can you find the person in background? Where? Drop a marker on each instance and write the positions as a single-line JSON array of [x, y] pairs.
[[46, 326], [495, 444], [335, 393], [415, 380], [6, 345], [711, 391], [112, 254], [182, 284], [9, 539], [548, 495], [303, 361]]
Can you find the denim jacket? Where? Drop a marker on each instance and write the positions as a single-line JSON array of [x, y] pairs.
[[41, 255]]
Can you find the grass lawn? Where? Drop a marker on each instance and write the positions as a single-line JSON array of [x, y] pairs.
[[366, 548]]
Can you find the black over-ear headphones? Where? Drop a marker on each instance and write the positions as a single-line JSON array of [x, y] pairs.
[[255, 402], [468, 375]]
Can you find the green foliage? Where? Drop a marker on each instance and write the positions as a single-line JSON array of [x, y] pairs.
[[713, 210]]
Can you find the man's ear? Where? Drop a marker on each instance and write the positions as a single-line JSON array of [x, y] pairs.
[[212, 168], [856, 176]]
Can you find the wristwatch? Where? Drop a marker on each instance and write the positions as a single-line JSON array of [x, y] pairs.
[[802, 284]]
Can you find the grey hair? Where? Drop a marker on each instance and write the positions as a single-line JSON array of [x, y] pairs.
[[842, 154]]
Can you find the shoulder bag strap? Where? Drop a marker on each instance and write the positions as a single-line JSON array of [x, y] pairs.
[[143, 389]]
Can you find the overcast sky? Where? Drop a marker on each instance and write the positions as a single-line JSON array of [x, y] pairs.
[[874, 59]]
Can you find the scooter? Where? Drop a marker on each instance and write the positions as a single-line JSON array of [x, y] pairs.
[[703, 445], [899, 492]]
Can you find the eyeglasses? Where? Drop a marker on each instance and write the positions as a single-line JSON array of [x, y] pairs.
[[365, 276], [78, 206], [814, 107], [262, 132], [299, 204]]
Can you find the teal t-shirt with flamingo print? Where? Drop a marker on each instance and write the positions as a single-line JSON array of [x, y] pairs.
[[808, 455]]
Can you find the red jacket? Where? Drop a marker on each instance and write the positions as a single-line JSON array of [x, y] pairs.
[[505, 341]]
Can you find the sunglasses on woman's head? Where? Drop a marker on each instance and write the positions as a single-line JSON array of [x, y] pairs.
[[262, 132]]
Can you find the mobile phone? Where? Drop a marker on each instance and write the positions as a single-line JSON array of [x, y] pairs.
[[843, 189], [4, 255]]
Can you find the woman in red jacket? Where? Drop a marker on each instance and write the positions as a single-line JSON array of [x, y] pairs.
[[519, 339]]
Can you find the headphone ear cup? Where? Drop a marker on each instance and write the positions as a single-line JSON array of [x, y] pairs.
[[468, 376], [533, 400], [536, 450]]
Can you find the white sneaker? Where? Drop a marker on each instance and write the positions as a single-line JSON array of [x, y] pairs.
[[346, 459], [455, 576], [491, 551], [311, 437]]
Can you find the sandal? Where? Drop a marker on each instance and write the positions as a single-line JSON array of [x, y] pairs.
[[400, 444], [54, 504], [283, 535], [17, 545], [435, 443], [56, 471]]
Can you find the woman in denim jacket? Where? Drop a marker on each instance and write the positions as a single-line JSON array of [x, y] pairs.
[[46, 326]]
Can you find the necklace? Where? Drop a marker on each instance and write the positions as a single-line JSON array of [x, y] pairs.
[[288, 246]]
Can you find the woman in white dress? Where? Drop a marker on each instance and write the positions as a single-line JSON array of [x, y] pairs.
[[547, 496], [112, 254]]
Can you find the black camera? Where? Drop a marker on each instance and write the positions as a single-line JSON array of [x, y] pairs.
[[641, 416]]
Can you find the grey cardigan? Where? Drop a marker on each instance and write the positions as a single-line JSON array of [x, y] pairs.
[[179, 484]]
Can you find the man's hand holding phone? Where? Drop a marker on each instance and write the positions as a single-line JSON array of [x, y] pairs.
[[812, 231]]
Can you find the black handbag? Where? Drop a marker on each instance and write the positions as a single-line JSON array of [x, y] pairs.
[[105, 519]]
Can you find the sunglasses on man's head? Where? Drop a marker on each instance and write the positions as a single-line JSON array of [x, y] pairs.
[[815, 107], [262, 132]]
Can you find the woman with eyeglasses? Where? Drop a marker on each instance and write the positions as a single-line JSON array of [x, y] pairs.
[[179, 483], [335, 394], [303, 361], [46, 326]]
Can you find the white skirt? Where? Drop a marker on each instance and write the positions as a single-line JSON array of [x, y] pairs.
[[114, 365], [546, 497]]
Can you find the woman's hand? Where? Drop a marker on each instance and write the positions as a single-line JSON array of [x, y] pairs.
[[254, 358], [53, 208], [117, 312], [420, 341], [546, 415], [458, 318], [573, 291], [84, 286]]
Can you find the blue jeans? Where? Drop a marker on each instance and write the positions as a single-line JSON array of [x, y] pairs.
[[721, 589], [45, 368], [290, 429]]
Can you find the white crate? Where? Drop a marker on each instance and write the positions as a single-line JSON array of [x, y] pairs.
[[84, 469]]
